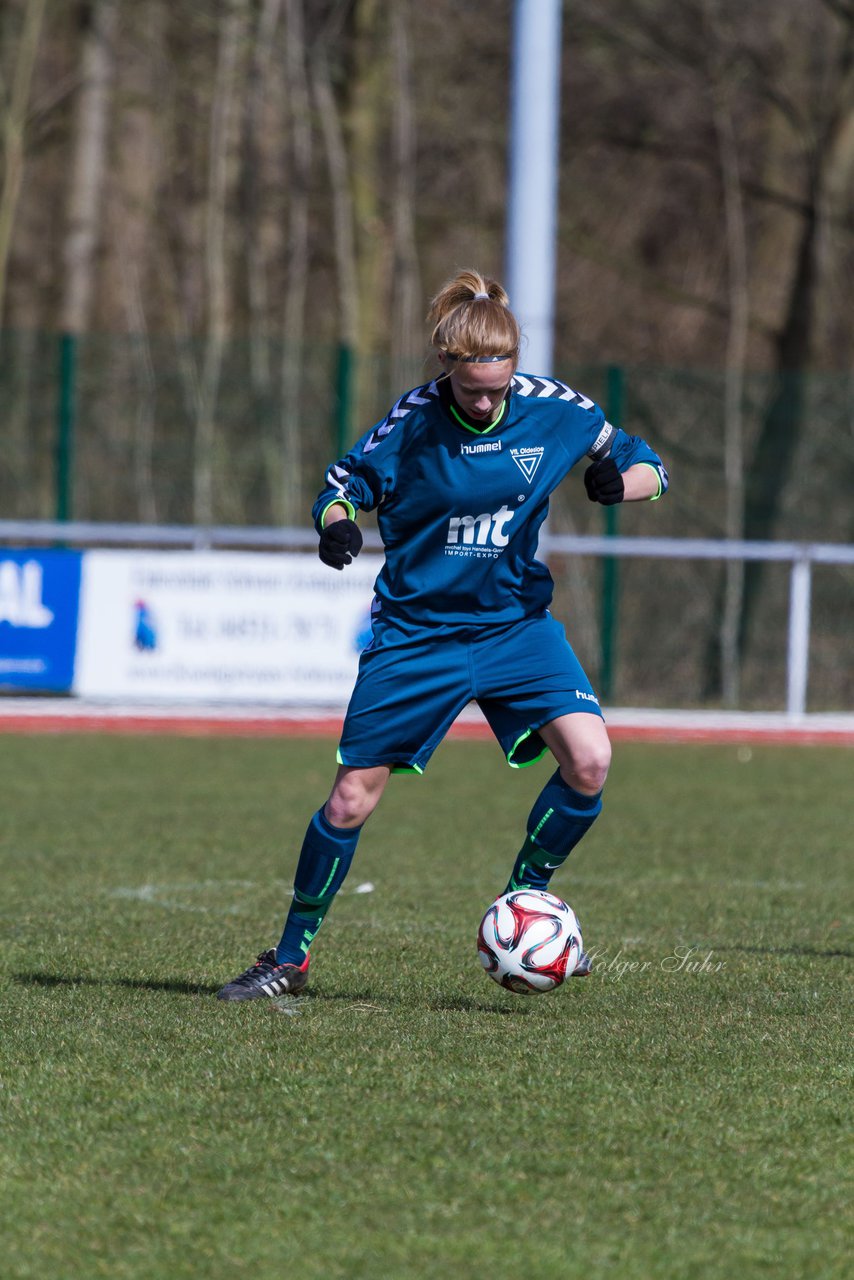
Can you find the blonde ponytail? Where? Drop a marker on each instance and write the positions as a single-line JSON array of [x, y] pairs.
[[472, 320]]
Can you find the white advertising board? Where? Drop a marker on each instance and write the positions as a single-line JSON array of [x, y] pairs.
[[221, 626]]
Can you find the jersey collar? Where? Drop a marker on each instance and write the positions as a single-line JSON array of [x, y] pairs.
[[462, 419]]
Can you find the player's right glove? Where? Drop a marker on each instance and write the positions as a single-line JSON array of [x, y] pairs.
[[604, 483], [339, 543]]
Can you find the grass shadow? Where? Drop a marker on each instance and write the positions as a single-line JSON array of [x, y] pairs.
[[452, 1004], [463, 1004], [179, 986], [816, 952]]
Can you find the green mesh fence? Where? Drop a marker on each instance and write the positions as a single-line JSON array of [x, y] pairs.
[[136, 429]]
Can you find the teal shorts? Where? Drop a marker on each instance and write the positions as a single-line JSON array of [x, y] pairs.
[[410, 690]]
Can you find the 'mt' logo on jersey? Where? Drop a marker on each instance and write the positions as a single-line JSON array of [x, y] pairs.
[[479, 536]]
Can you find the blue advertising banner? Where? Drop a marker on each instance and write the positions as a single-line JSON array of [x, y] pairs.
[[39, 598]]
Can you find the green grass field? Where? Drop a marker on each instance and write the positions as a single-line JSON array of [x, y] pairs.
[[408, 1118]]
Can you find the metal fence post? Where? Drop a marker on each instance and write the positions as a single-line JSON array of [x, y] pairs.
[[800, 591], [343, 399], [65, 425], [615, 386]]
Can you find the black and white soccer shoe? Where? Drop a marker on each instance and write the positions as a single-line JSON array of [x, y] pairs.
[[583, 966], [267, 978]]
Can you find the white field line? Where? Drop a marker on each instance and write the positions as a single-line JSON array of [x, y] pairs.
[[161, 895], [164, 896]]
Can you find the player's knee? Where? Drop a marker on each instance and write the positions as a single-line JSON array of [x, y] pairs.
[[591, 766], [354, 798], [349, 807]]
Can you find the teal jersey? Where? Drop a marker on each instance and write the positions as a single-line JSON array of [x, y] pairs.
[[459, 510]]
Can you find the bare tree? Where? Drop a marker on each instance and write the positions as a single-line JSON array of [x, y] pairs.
[[143, 468], [342, 201], [263, 56], [366, 124], [795, 94], [347, 319], [20, 445], [297, 262], [14, 120], [132, 207], [824, 135], [722, 67], [88, 164], [406, 286], [216, 267]]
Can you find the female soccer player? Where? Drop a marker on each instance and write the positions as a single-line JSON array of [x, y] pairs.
[[460, 472]]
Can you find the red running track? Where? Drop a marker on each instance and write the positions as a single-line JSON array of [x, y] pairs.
[[678, 727]]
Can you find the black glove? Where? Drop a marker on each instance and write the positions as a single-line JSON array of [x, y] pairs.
[[339, 543], [604, 483]]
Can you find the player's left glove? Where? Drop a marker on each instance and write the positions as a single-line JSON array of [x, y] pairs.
[[604, 483], [339, 543]]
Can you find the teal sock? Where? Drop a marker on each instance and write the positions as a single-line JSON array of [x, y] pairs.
[[561, 816], [324, 861]]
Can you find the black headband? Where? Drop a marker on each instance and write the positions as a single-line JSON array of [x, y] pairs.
[[481, 359]]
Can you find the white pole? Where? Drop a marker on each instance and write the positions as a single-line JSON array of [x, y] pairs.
[[800, 590], [532, 197]]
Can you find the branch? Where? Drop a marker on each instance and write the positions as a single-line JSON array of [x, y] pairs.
[[57, 94], [656, 45], [663, 150], [13, 132], [587, 246], [840, 9]]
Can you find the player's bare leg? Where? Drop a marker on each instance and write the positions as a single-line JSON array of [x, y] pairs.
[[355, 794], [580, 744], [327, 851]]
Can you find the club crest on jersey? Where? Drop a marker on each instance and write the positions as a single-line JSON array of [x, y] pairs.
[[527, 460]]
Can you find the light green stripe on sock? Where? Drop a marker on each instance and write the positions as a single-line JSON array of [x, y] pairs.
[[548, 813], [323, 891]]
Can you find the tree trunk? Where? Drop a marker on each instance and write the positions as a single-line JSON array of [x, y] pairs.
[[297, 266], [257, 263], [88, 163], [143, 440], [216, 265], [366, 121], [405, 284], [262, 191], [777, 443], [738, 281], [733, 407], [14, 120], [776, 448], [345, 245], [133, 217], [342, 201]]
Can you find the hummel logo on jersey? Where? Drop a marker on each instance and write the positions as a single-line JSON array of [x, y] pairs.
[[480, 536], [527, 460], [586, 697], [487, 446]]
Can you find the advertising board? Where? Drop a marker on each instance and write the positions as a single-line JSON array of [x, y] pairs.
[[38, 619], [221, 626]]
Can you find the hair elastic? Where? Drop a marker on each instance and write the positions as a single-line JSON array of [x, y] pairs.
[[479, 296]]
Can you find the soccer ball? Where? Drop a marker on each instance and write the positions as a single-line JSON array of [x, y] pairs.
[[529, 941]]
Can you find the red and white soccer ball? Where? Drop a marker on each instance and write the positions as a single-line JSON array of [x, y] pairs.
[[529, 941]]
